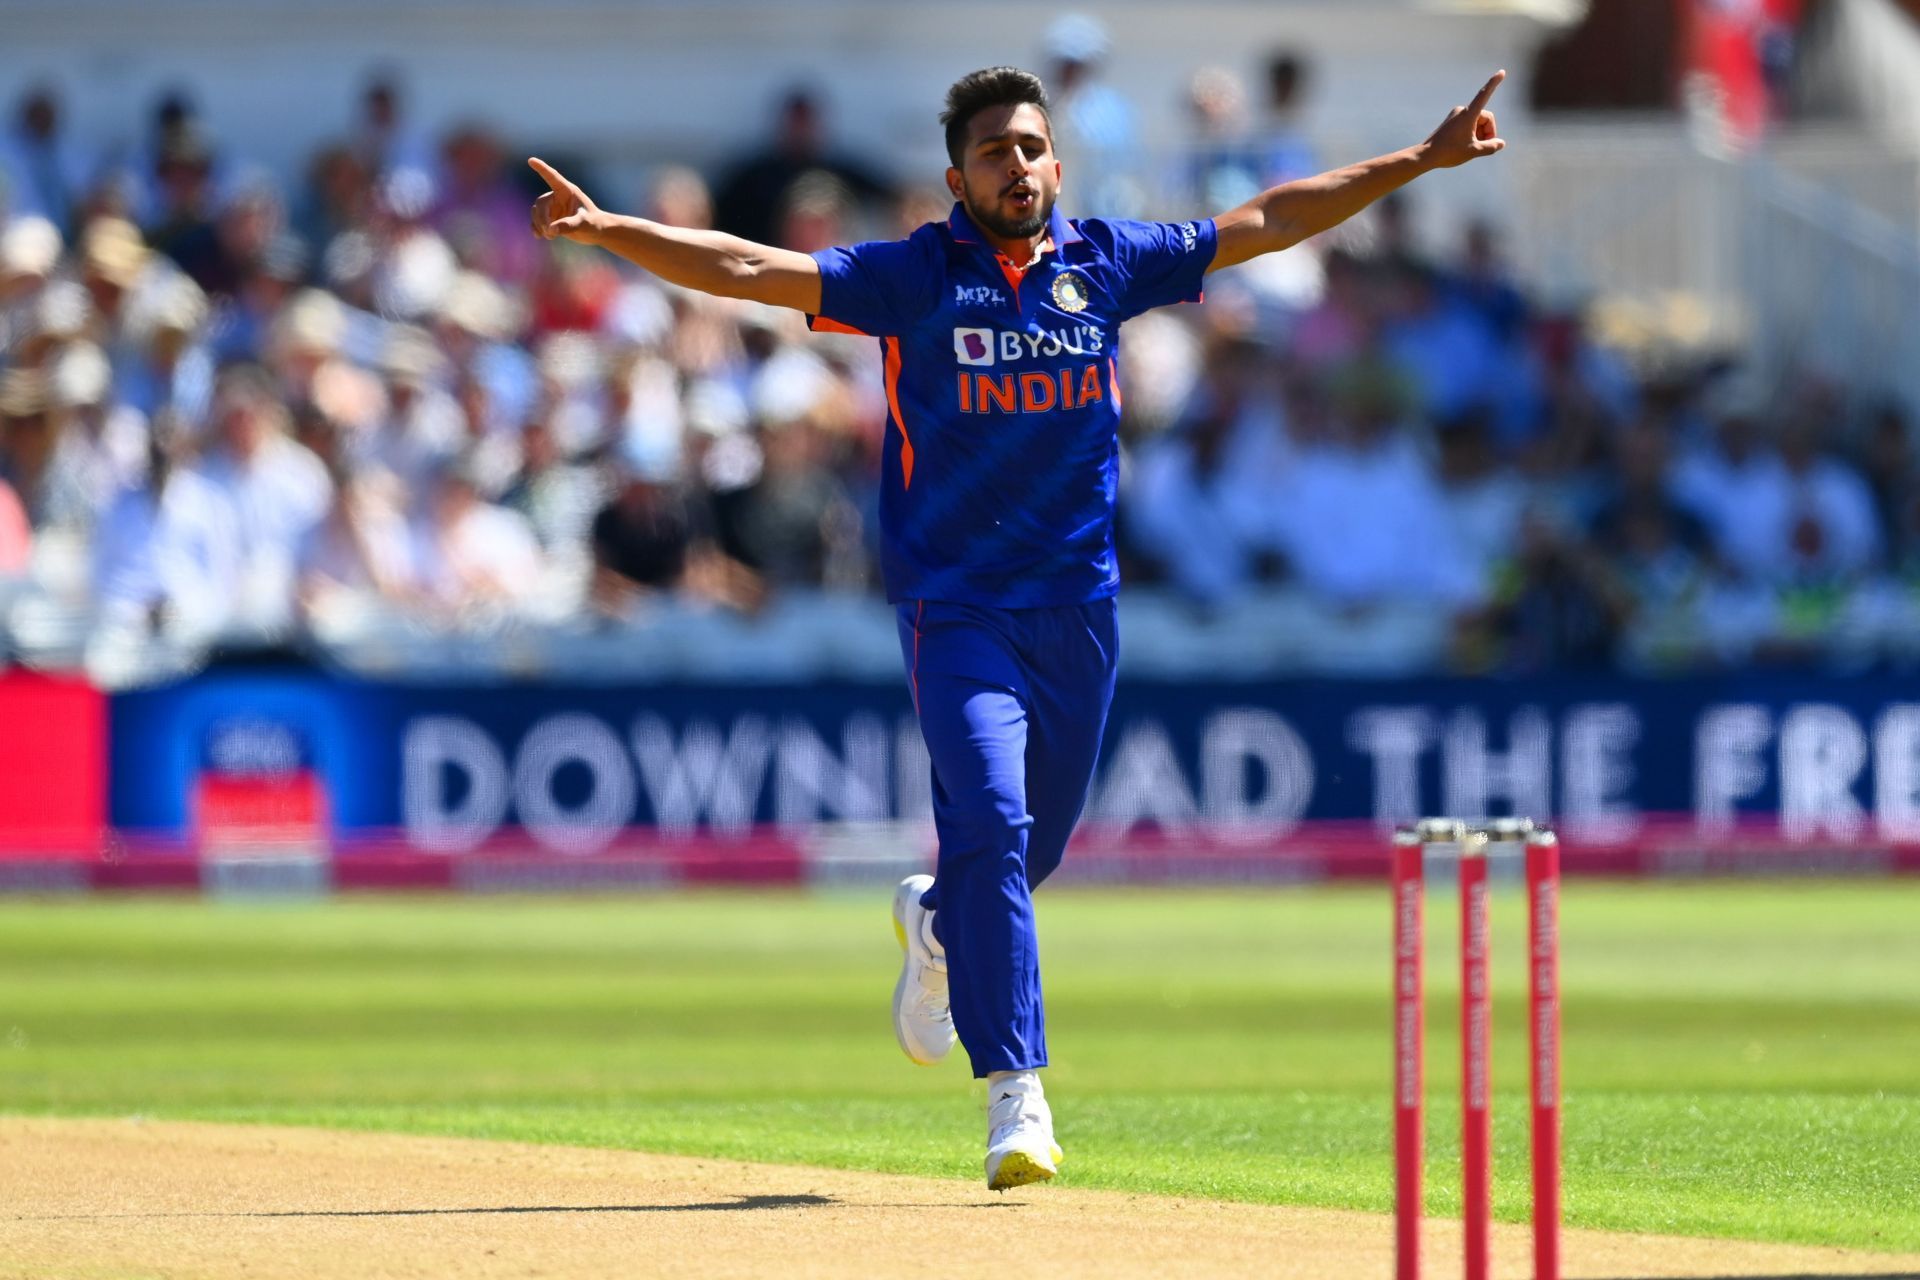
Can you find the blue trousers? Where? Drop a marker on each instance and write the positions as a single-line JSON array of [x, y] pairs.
[[1012, 704]]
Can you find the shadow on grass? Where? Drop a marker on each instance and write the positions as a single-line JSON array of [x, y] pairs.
[[735, 1205]]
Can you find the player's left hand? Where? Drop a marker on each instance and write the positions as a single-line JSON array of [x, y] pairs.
[[1468, 132]]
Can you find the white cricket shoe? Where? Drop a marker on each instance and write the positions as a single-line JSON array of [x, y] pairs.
[[1020, 1145], [922, 1018]]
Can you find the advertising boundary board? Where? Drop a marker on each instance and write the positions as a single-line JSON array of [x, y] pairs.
[[840, 856], [299, 780], [53, 767]]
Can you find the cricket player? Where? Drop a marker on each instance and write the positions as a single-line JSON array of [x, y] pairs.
[[997, 330]]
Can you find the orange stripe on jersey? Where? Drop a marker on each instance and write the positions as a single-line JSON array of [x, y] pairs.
[[893, 403], [1113, 382], [820, 324], [1014, 275]]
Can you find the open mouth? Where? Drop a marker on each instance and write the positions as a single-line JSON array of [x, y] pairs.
[[1022, 197]]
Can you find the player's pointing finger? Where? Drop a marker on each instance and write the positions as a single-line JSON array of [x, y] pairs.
[[552, 176], [1486, 92]]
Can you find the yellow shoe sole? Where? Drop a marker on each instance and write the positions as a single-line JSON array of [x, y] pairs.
[[1019, 1169]]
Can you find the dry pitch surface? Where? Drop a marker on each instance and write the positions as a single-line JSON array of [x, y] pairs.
[[129, 1198]]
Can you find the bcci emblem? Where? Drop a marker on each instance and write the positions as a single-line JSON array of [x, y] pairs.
[[1070, 292]]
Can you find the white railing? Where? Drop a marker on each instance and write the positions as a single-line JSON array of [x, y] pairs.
[[1834, 287], [1807, 254]]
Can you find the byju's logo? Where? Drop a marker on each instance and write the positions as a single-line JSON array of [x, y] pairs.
[[980, 295], [1189, 236], [973, 346]]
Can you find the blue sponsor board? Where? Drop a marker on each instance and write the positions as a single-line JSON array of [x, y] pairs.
[[453, 766]]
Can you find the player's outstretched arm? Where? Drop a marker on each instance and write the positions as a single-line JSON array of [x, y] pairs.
[[1283, 216], [705, 260]]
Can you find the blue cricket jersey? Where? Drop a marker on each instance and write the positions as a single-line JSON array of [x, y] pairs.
[[1001, 462]]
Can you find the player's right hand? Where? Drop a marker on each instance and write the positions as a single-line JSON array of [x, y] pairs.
[[565, 211]]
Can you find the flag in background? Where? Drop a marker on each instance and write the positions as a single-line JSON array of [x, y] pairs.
[[1737, 53]]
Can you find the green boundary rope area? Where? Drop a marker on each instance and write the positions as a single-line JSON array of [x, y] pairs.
[[1741, 1059]]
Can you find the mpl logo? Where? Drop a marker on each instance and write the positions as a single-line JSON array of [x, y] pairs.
[[973, 346], [977, 295], [1189, 236]]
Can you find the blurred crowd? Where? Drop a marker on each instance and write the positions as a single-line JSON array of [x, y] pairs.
[[239, 411]]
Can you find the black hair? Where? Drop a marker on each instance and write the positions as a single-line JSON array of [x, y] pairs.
[[989, 87], [1286, 72]]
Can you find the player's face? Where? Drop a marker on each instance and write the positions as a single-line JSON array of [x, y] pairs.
[[1008, 178]]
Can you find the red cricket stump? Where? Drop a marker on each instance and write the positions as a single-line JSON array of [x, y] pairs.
[[1476, 1013], [1472, 842], [1543, 1020], [1409, 858]]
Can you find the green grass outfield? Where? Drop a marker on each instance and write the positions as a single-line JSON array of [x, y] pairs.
[[1741, 1059]]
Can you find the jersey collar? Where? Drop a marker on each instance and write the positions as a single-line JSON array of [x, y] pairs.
[[1059, 230]]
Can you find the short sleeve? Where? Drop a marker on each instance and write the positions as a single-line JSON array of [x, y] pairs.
[[881, 288], [1161, 263]]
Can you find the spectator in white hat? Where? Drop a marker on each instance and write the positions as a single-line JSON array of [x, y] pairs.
[[167, 554], [99, 447], [1094, 124], [362, 555], [475, 560], [27, 440], [29, 253], [278, 491], [422, 427], [170, 369]]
